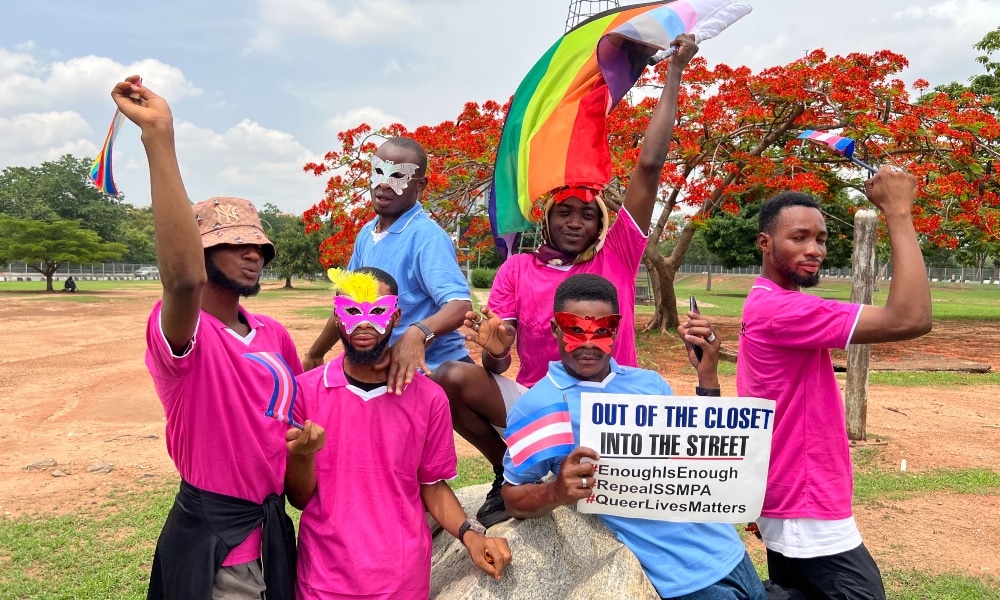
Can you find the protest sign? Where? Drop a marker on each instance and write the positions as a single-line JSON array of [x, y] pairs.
[[677, 458]]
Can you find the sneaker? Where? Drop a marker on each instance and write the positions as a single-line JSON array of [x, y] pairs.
[[493, 510]]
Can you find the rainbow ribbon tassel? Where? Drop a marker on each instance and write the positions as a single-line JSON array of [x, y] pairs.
[[286, 389], [100, 171]]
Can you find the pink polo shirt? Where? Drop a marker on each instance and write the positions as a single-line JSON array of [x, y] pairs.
[[214, 400], [363, 533], [525, 288], [784, 356]]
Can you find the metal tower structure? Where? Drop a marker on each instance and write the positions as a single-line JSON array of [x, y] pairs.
[[581, 10]]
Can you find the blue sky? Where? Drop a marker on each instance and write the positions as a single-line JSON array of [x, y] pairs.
[[260, 87]]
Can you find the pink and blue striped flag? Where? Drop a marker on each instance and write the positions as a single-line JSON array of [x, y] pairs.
[[100, 171], [841, 145], [286, 389], [546, 433]]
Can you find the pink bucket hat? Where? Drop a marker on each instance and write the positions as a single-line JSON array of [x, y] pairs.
[[234, 221]]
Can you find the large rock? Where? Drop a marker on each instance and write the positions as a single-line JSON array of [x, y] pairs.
[[562, 555]]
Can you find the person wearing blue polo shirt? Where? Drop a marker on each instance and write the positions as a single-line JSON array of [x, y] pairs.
[[403, 241], [693, 561]]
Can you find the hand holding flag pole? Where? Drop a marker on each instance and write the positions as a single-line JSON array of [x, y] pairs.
[[709, 26], [841, 145]]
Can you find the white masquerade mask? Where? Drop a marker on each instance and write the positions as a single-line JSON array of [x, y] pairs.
[[397, 176]]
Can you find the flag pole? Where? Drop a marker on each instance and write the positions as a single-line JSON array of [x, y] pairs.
[[862, 163]]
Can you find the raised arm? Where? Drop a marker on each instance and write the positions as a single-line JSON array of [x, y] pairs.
[[640, 196], [907, 310], [179, 251]]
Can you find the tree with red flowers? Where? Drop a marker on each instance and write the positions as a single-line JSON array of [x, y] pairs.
[[460, 157], [734, 144]]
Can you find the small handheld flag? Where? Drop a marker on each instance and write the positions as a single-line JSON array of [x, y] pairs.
[[841, 145], [286, 389], [100, 171], [546, 433]]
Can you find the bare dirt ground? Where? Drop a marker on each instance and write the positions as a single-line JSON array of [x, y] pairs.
[[74, 390]]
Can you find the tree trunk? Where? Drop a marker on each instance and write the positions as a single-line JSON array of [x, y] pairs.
[[708, 282], [859, 355], [288, 283], [663, 269], [48, 271], [661, 274]]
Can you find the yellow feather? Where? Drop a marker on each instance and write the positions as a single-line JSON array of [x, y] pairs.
[[360, 287]]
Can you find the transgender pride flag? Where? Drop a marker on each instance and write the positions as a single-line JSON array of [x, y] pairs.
[[286, 389], [546, 433], [841, 145]]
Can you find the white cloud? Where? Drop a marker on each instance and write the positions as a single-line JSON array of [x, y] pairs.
[[375, 117], [248, 160], [11, 62], [977, 14], [26, 83], [31, 132], [357, 22]]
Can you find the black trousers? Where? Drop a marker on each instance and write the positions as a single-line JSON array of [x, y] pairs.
[[851, 575], [203, 527]]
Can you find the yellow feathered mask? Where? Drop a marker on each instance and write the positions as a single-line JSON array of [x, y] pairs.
[[360, 287]]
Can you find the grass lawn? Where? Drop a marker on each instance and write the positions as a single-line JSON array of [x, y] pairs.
[[104, 553], [947, 302]]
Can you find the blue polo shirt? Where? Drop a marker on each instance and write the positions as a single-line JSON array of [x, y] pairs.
[[421, 258], [678, 558]]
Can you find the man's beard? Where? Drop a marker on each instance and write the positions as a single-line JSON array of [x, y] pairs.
[[220, 279], [365, 358], [803, 281], [782, 265]]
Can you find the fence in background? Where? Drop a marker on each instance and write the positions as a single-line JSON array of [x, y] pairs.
[[21, 271], [960, 276]]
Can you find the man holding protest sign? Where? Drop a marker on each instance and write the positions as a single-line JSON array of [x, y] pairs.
[[813, 543], [693, 560]]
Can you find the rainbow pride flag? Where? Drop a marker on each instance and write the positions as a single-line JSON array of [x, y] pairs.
[[546, 433], [286, 389], [555, 134], [100, 171]]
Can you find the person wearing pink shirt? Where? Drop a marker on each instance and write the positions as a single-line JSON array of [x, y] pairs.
[[370, 462], [814, 548], [227, 534], [577, 238]]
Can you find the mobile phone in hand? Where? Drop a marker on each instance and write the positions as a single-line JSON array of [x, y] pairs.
[[693, 307]]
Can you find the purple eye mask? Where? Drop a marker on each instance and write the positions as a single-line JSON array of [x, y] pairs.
[[353, 313]]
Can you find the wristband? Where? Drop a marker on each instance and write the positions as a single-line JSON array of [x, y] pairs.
[[708, 391], [501, 357]]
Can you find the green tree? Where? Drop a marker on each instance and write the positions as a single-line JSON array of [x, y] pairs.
[[732, 236], [138, 235], [52, 244], [60, 190], [296, 252]]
